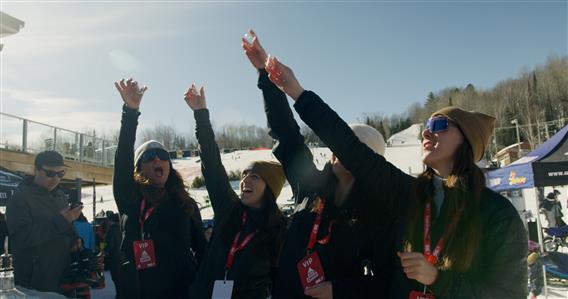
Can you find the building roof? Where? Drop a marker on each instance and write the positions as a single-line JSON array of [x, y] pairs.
[[9, 25], [514, 148]]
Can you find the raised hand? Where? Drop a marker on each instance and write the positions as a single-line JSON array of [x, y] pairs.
[[254, 51], [195, 100], [323, 290], [418, 268], [283, 77], [130, 92]]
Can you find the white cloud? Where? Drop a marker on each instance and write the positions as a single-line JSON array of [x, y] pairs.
[[123, 60], [52, 29], [64, 112]]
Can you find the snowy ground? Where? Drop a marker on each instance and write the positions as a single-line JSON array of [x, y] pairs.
[[190, 168]]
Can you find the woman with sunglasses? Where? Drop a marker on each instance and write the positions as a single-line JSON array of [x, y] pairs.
[[164, 240], [351, 235], [457, 238], [242, 254]]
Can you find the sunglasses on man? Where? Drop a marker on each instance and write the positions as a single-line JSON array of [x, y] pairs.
[[150, 155], [437, 124], [52, 174]]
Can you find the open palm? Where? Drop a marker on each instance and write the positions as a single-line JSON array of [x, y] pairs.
[[194, 99], [130, 92]]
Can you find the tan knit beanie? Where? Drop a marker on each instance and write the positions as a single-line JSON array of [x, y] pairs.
[[532, 258], [271, 172], [477, 127]]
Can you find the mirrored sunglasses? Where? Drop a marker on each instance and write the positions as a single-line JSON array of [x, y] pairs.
[[437, 124]]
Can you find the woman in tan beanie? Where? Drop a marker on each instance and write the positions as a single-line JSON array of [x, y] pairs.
[[244, 248], [457, 238]]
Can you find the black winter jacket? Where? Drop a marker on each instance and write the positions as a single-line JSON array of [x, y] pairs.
[[361, 234], [254, 265], [40, 236], [179, 240], [499, 270]]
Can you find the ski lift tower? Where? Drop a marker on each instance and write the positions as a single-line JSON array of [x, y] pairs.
[[8, 26]]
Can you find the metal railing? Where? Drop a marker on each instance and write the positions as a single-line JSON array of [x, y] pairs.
[[25, 135]]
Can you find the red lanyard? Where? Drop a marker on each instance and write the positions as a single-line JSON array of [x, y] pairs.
[[141, 219], [237, 247], [432, 258], [316, 226]]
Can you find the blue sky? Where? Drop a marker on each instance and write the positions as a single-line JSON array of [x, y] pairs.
[[361, 57]]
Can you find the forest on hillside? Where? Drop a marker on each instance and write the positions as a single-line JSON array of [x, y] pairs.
[[537, 99]]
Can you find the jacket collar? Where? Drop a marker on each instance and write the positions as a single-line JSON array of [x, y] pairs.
[[29, 184]]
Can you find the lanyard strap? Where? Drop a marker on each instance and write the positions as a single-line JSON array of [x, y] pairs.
[[235, 247], [316, 226], [142, 219], [433, 257]]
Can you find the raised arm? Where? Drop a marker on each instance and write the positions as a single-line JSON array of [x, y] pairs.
[[290, 149], [123, 180], [221, 193], [280, 118], [198, 242], [369, 168]]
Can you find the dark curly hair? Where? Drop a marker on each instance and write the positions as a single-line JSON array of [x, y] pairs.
[[175, 189]]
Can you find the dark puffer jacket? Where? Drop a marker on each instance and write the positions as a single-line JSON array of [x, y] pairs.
[[179, 240], [499, 270], [362, 235]]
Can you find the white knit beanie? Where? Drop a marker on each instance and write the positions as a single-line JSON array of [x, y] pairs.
[[148, 145], [369, 136]]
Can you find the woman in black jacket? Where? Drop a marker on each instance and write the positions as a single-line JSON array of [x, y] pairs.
[[457, 239], [163, 240], [243, 251], [351, 217]]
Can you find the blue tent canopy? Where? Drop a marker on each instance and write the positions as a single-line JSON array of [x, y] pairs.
[[545, 166], [9, 181]]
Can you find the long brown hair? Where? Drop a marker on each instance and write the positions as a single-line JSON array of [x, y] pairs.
[[462, 190], [174, 189], [271, 228]]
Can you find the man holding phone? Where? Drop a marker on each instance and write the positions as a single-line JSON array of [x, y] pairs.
[[40, 225]]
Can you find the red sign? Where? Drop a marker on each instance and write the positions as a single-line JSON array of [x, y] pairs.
[[420, 295], [144, 255], [310, 270]]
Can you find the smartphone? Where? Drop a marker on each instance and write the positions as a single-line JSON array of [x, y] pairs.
[[75, 204]]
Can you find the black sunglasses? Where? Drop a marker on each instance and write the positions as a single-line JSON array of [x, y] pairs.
[[150, 155], [51, 173]]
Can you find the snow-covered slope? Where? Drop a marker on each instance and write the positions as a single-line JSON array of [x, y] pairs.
[[407, 137], [405, 150]]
